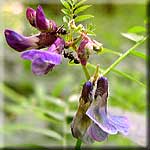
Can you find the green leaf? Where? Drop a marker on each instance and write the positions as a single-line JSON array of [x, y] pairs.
[[51, 114], [10, 93], [54, 100], [17, 127], [90, 33], [137, 29], [133, 36], [65, 4], [65, 19], [138, 54], [82, 8], [83, 17], [129, 77], [65, 11], [71, 2], [80, 3]]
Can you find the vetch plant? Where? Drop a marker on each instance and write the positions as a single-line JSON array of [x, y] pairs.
[[76, 43]]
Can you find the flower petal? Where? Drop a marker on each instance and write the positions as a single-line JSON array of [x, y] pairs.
[[121, 123], [97, 133], [99, 116], [31, 16], [81, 121], [41, 21], [57, 46], [87, 138], [19, 42], [102, 88], [51, 58], [82, 55], [40, 67]]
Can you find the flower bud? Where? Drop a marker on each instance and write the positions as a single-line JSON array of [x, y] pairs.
[[81, 121], [82, 53], [31, 16], [43, 24]]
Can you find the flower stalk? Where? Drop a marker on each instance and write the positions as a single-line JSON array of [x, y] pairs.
[[78, 144], [123, 56], [85, 70]]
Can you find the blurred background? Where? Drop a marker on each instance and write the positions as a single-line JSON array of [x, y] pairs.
[[37, 111]]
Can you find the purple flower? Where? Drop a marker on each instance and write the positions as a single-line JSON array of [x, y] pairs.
[[98, 123], [20, 42], [86, 47], [38, 19], [82, 53], [57, 46], [31, 16], [81, 121], [45, 61], [97, 112], [42, 61]]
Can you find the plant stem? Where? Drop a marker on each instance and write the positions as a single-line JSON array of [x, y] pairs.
[[123, 56], [86, 72], [78, 144]]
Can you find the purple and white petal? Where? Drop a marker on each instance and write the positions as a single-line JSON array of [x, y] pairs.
[[121, 123], [100, 118], [52, 48], [51, 58], [40, 67], [97, 133], [57, 46]]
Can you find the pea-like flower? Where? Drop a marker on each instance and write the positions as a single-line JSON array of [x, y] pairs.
[[101, 124], [42, 60], [20, 42], [45, 61], [86, 47]]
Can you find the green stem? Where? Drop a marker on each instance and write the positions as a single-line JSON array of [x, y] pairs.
[[123, 56], [78, 144], [86, 72]]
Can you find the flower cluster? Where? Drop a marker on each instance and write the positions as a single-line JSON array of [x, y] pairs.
[[91, 121], [42, 60], [31, 47]]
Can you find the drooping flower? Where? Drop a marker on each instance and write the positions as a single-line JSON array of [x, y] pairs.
[[86, 48], [81, 121], [100, 124], [45, 61], [98, 111]]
